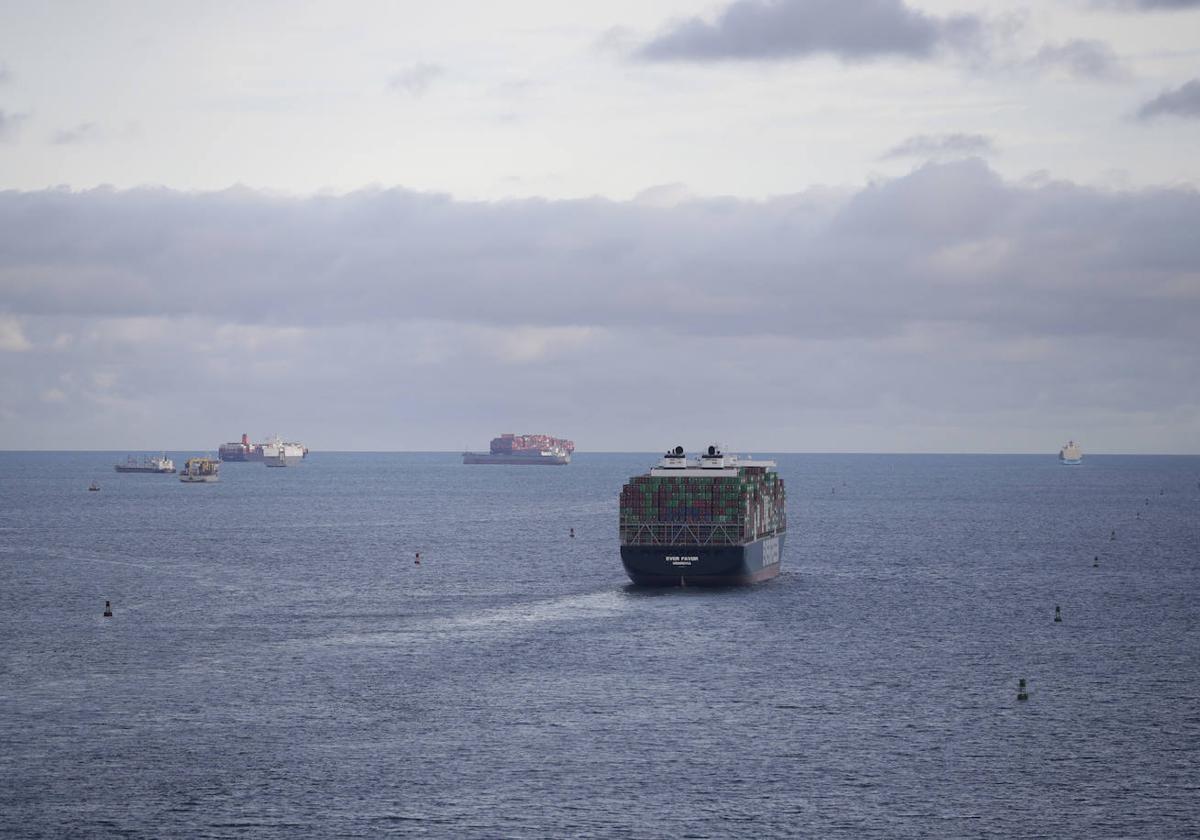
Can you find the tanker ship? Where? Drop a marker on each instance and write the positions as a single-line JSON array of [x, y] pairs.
[[524, 449], [711, 521]]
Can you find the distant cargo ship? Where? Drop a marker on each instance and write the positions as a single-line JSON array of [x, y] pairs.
[[244, 450], [524, 449], [161, 464], [1071, 453], [278, 453], [712, 521]]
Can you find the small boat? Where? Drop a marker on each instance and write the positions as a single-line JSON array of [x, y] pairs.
[[161, 464], [94, 486], [200, 470]]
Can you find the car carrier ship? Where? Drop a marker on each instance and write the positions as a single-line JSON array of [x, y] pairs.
[[524, 449], [244, 450], [712, 521]]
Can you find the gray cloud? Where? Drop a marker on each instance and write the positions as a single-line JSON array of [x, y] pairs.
[[784, 29], [416, 79], [10, 124], [1148, 5], [945, 296], [941, 145], [1184, 101], [82, 133], [1081, 58]]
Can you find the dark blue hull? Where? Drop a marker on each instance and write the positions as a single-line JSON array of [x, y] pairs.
[[703, 565]]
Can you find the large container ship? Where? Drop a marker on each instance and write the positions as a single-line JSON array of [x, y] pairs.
[[524, 449], [244, 450], [712, 521]]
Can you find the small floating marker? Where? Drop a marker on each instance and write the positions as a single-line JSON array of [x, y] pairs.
[[417, 559], [572, 533], [1096, 562], [1112, 536], [1139, 514], [107, 610], [1022, 694], [1058, 614]]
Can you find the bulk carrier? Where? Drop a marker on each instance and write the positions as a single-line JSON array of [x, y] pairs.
[[711, 521], [524, 449]]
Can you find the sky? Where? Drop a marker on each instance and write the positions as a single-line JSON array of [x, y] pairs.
[[781, 225]]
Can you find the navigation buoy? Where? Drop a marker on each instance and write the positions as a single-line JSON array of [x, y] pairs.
[[107, 610], [1139, 516], [417, 559], [1096, 562], [1022, 694], [572, 533], [1112, 536], [1058, 613]]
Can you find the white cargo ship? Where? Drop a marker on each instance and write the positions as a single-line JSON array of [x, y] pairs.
[[1071, 453], [281, 453]]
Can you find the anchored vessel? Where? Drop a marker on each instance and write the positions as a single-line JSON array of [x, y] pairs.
[[200, 469], [524, 449], [244, 450], [713, 521], [279, 453], [1071, 453], [161, 464]]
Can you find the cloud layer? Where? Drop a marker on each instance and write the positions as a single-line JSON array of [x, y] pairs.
[[941, 145], [1184, 101], [917, 305], [782, 29]]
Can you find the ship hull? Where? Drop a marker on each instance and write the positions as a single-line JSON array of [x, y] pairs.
[[123, 469], [544, 460], [1070, 462], [703, 565]]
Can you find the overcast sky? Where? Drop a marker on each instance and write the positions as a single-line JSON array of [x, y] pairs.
[[784, 225]]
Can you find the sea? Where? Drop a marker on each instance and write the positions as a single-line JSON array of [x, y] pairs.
[[279, 665]]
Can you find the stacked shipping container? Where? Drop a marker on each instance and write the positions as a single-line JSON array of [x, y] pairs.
[[727, 509]]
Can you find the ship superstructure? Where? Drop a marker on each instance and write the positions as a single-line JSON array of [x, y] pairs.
[[714, 520]]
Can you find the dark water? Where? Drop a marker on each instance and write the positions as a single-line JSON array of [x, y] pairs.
[[278, 665]]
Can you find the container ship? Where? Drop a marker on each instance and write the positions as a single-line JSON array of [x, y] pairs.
[[711, 521], [524, 449], [1070, 454], [244, 450]]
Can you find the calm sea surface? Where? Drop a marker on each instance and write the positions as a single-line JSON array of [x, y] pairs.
[[278, 666]]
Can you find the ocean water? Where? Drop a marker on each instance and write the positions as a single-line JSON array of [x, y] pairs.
[[278, 665]]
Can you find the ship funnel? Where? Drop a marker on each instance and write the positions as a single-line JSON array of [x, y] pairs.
[[245, 439]]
